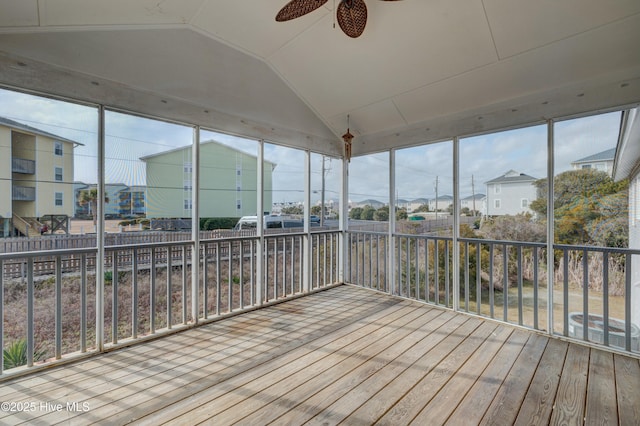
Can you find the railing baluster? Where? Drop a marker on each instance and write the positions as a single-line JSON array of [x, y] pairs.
[[152, 293], [446, 273], [230, 271], [134, 294], [114, 298], [605, 295], [205, 282], [520, 284], [585, 295], [535, 288], [58, 351], [300, 263], [30, 314], [324, 260], [83, 304], [478, 280], [436, 271], [218, 276], [184, 285], [252, 274], [627, 303], [169, 288], [284, 266], [417, 268], [565, 293], [276, 271], [426, 271], [505, 283], [466, 276], [491, 286], [241, 273]]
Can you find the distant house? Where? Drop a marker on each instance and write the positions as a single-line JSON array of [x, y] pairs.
[[118, 199], [370, 202], [627, 166], [602, 161], [36, 173], [228, 182], [441, 204], [510, 194], [417, 203], [473, 202]]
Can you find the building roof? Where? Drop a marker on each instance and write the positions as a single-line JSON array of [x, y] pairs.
[[607, 155], [471, 197], [19, 126], [421, 200], [512, 176], [205, 143], [628, 149]]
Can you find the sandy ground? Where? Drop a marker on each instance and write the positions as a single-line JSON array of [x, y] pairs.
[[86, 226]]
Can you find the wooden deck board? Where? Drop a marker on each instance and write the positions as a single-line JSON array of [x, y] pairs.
[[346, 355]]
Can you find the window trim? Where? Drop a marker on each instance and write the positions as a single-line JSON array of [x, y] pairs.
[[58, 152], [60, 199], [55, 174]]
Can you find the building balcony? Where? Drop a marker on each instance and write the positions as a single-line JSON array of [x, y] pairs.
[[23, 193], [24, 166], [394, 346]]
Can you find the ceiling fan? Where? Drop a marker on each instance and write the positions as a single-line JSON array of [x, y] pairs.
[[351, 14]]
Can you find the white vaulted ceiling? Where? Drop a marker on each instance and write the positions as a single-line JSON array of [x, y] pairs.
[[423, 70]]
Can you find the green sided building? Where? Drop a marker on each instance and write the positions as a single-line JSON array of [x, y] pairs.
[[228, 182]]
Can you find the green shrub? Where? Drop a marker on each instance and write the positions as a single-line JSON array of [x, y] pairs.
[[15, 354], [211, 223]]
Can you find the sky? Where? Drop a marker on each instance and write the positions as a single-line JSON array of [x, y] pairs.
[[482, 158]]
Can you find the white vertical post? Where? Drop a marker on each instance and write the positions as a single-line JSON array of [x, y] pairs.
[[550, 223], [100, 233], [195, 224], [391, 252], [307, 252], [456, 224], [343, 220], [260, 224]]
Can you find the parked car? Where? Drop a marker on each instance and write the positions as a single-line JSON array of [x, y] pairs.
[[314, 219]]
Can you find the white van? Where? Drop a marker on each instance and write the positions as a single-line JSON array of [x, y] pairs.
[[251, 222]]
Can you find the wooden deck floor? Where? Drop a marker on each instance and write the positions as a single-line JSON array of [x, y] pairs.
[[346, 355]]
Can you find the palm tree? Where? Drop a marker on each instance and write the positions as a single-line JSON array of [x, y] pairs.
[[90, 197]]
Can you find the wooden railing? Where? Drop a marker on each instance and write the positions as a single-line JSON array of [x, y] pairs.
[[508, 281], [148, 289]]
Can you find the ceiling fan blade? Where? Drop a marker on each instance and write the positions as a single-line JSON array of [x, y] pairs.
[[297, 8], [352, 17]]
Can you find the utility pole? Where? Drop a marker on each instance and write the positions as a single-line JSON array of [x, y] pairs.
[[436, 209], [473, 195]]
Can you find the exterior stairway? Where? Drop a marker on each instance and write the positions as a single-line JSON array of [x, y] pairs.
[[28, 227]]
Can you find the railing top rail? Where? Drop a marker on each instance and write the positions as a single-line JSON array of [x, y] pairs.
[[47, 253], [502, 242], [148, 245], [619, 250]]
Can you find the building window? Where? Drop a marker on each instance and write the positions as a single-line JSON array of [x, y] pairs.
[[59, 199], [57, 150], [238, 188], [188, 185], [58, 174], [238, 172], [187, 204], [496, 204], [524, 203], [188, 168], [586, 166], [496, 189], [239, 205]]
